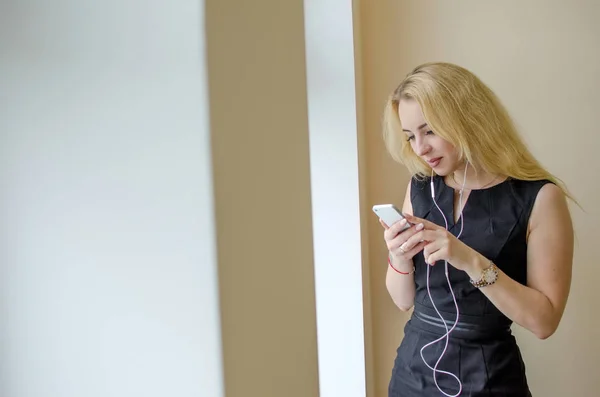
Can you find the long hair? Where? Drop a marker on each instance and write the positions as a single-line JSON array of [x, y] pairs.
[[461, 109]]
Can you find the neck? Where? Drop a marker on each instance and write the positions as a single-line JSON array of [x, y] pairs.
[[473, 179]]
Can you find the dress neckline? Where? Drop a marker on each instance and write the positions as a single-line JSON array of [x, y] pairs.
[[447, 203], [488, 188]]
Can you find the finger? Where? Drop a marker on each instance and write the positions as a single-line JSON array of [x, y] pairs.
[[395, 229], [431, 252], [439, 255], [416, 249], [423, 235], [386, 227], [400, 239], [398, 226], [411, 238], [410, 253], [428, 225]]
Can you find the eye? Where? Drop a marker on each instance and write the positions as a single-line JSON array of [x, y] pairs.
[[412, 137]]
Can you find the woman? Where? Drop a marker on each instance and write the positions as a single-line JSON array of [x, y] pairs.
[[488, 220]]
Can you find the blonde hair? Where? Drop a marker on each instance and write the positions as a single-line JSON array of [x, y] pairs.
[[461, 109]]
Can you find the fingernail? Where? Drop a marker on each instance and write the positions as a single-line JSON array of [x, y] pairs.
[[420, 226], [403, 222]]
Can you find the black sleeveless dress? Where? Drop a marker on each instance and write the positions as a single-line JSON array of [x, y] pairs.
[[482, 351]]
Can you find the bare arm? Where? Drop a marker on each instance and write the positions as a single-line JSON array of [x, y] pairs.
[[539, 306], [401, 287]]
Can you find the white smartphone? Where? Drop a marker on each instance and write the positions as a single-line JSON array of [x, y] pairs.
[[389, 214]]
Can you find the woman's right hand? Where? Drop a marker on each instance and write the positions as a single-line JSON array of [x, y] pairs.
[[395, 241]]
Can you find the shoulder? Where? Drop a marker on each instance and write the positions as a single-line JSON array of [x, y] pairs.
[[544, 204], [550, 209], [525, 193], [527, 188]]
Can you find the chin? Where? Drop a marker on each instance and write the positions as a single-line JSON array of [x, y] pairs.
[[441, 172], [445, 168]]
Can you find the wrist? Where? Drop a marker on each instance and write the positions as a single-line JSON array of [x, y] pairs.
[[400, 265], [476, 266]]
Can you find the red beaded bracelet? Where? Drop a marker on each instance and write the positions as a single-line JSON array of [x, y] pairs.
[[398, 271]]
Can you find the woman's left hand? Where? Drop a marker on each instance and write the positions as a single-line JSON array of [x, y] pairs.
[[442, 245]]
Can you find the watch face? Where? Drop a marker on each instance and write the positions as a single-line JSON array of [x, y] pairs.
[[489, 276]]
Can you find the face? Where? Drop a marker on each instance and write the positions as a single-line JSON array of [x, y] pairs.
[[440, 154]]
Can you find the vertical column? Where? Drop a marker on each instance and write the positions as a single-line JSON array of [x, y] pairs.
[[263, 213], [334, 149]]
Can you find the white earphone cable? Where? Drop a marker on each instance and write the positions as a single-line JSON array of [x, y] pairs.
[[448, 330]]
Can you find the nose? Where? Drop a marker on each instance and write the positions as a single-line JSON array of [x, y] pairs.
[[421, 147]]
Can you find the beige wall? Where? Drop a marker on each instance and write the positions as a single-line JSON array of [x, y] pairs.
[[257, 92], [542, 59]]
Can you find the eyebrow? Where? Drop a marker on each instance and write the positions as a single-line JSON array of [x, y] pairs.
[[418, 128]]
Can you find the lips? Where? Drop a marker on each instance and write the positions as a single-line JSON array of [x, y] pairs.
[[434, 162]]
